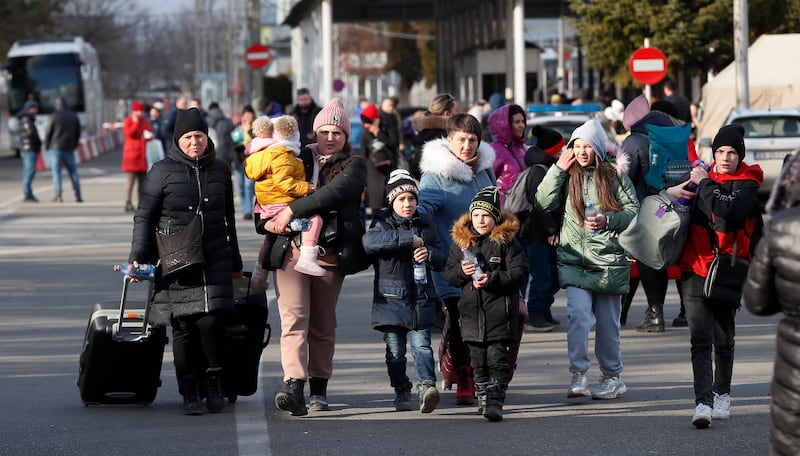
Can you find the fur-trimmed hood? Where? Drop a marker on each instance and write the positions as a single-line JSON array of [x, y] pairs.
[[437, 159], [504, 233]]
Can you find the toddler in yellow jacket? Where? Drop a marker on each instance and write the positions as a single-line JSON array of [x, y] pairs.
[[280, 178]]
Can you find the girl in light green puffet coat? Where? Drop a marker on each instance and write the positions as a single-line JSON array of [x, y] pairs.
[[592, 266], [592, 261]]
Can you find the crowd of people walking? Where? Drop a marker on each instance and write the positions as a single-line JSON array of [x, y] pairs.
[[444, 249]]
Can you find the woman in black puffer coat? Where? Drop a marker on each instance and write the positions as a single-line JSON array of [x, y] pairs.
[[197, 299], [772, 286]]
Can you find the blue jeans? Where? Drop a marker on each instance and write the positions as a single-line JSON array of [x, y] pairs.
[[246, 189], [28, 171], [420, 341], [712, 328], [586, 309], [68, 158], [544, 276]]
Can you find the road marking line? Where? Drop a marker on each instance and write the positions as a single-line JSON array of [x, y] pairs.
[[252, 429]]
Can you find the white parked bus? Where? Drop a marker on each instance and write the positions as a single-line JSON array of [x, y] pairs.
[[45, 69]]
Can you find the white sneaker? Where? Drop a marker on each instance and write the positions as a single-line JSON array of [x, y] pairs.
[[579, 387], [722, 407], [702, 416], [611, 387]]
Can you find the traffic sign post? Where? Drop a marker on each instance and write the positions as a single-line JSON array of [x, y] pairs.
[[648, 65], [258, 56]]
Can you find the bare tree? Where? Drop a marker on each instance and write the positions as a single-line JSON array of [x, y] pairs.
[[25, 19]]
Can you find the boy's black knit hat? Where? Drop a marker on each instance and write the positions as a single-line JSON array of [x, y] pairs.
[[487, 199], [400, 181], [730, 135]]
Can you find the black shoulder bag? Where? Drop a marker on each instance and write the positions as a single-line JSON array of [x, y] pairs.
[[184, 248], [726, 276]]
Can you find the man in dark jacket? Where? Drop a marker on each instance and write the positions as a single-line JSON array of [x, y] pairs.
[[61, 140], [30, 147], [539, 234], [680, 102], [305, 111], [223, 125]]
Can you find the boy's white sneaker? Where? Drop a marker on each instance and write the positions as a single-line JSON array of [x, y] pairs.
[[722, 406], [702, 416]]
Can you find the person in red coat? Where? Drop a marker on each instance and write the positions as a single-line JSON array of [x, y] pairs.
[[136, 130]]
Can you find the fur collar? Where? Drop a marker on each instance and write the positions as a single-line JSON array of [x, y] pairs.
[[437, 159], [430, 122], [465, 236]]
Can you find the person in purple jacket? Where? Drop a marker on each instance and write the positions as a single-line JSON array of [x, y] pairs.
[[507, 125]]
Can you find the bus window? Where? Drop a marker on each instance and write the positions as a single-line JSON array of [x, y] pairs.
[[45, 78]]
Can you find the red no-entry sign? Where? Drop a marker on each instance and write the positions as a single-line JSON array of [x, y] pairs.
[[258, 56], [648, 65]]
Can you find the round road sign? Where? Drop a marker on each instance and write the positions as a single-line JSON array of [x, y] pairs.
[[648, 65], [258, 56]]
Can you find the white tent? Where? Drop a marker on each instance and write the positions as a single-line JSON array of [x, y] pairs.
[[774, 80]]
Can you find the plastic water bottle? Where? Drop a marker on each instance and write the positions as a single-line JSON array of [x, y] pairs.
[[471, 258], [589, 212], [300, 224], [692, 187], [420, 273], [144, 271]]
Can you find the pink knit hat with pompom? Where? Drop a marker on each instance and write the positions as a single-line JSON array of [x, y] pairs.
[[333, 114]]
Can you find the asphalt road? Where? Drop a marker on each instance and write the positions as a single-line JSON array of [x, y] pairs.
[[55, 262]]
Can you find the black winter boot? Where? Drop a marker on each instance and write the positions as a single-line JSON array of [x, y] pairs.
[[548, 317], [495, 396], [318, 402], [653, 320], [191, 398], [215, 402], [480, 394], [538, 323], [291, 398]]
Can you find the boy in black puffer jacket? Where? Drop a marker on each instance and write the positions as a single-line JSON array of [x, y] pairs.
[[489, 300]]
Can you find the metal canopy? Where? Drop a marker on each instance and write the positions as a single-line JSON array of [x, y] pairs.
[[414, 10]]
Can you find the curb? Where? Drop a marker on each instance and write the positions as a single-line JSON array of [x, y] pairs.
[[89, 147]]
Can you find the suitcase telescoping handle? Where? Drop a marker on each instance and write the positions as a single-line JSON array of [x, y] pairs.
[[124, 333]]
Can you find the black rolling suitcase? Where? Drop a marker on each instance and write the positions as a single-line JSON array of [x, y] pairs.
[[121, 363], [246, 336]]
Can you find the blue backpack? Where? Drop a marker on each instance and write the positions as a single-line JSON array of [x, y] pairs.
[[669, 157]]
